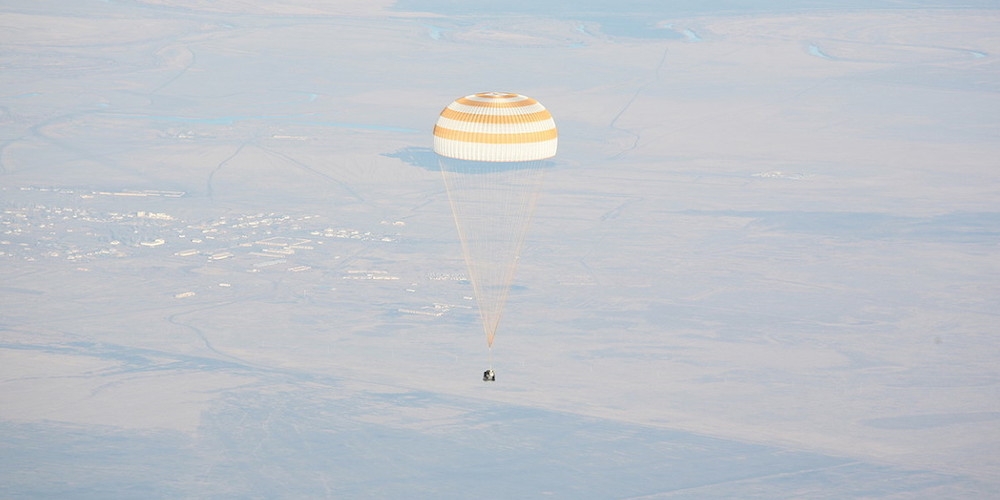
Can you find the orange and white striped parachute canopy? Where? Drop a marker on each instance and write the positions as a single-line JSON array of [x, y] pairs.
[[495, 127]]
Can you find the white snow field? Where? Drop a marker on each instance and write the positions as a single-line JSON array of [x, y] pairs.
[[766, 264]]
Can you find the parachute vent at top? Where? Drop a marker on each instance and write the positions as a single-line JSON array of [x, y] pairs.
[[495, 127]]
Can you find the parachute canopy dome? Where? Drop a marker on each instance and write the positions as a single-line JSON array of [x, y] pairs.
[[495, 127]]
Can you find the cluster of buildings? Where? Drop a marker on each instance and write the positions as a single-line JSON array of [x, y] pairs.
[[67, 227], [63, 225]]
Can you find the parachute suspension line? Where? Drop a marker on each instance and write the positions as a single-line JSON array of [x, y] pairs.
[[489, 202], [527, 206], [466, 253]]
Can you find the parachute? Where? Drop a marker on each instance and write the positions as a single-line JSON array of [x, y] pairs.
[[493, 149]]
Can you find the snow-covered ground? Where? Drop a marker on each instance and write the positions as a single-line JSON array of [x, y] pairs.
[[767, 263]]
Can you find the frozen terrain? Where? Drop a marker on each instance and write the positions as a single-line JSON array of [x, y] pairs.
[[766, 265]]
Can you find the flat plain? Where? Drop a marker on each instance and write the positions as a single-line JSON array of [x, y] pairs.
[[766, 264]]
